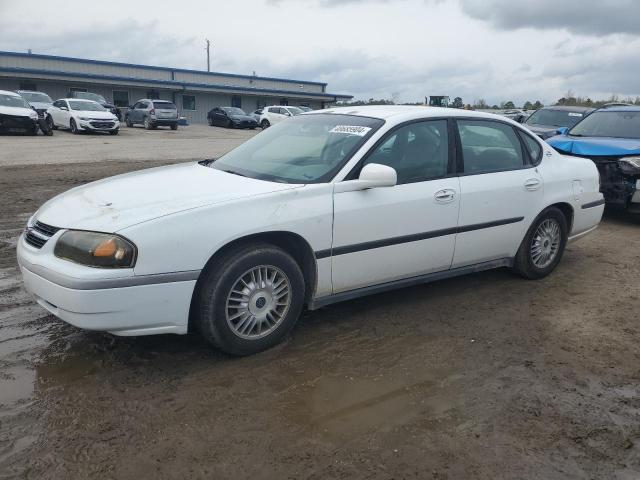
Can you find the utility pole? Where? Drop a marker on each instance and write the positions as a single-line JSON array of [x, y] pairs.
[[208, 56]]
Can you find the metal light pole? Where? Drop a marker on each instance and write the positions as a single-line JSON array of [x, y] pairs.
[[208, 55]]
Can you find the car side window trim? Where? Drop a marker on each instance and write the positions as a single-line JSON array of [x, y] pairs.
[[527, 164], [451, 161], [532, 161]]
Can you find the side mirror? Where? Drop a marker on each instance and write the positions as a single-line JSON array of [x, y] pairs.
[[373, 175], [562, 130]]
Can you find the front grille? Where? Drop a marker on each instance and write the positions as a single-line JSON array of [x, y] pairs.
[[39, 234], [96, 124]]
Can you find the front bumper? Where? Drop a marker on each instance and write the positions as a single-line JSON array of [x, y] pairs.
[[99, 125], [144, 309], [17, 124]]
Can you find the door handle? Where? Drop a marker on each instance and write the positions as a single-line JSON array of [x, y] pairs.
[[445, 196], [532, 184]]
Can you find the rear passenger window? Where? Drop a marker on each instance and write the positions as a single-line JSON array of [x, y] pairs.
[[489, 147], [533, 147]]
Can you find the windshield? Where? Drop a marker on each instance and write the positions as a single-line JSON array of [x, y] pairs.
[[295, 110], [306, 149], [618, 124], [164, 106], [554, 118], [233, 111], [90, 96], [36, 97], [13, 101], [86, 106]]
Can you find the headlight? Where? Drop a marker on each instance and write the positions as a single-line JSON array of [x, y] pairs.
[[95, 249], [630, 165], [84, 118]]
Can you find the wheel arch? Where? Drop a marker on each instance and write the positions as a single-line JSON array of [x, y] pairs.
[[292, 243], [567, 211]]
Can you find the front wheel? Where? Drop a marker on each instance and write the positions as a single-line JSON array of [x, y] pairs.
[[265, 124], [543, 245], [114, 132], [52, 126], [128, 121], [174, 126], [210, 120], [249, 299], [73, 127]]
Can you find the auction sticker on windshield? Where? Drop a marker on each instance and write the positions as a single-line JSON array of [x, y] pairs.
[[572, 114], [351, 130]]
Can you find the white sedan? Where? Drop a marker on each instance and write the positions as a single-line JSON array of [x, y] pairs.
[[321, 208], [80, 115], [276, 114]]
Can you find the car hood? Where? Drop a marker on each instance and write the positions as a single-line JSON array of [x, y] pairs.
[[241, 118], [94, 114], [16, 111], [40, 105], [115, 203], [597, 146]]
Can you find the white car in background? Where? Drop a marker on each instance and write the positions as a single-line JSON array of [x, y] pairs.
[[322, 208], [277, 113], [16, 115], [80, 115]]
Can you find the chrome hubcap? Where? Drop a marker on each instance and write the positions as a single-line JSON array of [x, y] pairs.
[[546, 243], [258, 302]]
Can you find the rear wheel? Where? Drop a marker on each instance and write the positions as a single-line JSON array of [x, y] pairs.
[[265, 124], [210, 120], [147, 123], [543, 245], [249, 299], [73, 126], [128, 121]]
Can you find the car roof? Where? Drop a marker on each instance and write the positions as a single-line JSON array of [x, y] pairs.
[[568, 108], [630, 108], [7, 92], [30, 91], [385, 112], [78, 100]]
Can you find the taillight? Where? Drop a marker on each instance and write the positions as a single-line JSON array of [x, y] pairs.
[[153, 111]]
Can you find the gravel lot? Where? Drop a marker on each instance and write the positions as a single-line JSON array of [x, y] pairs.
[[487, 376]]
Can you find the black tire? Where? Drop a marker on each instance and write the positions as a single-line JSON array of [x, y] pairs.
[[174, 126], [73, 127], [264, 124], [524, 263], [128, 121], [229, 124], [52, 125], [147, 123], [210, 120], [216, 283], [114, 132]]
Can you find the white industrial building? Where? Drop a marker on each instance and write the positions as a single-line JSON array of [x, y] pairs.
[[194, 92]]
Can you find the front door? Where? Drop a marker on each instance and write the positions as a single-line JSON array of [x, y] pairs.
[[502, 192], [385, 234]]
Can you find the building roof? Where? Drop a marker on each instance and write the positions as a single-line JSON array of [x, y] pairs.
[[385, 112], [166, 70]]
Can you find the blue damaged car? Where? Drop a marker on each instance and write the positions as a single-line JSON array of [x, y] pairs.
[[610, 137]]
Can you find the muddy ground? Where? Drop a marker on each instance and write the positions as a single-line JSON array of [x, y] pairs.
[[486, 377]]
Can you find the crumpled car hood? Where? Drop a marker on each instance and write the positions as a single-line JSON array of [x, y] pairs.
[[596, 146], [115, 203]]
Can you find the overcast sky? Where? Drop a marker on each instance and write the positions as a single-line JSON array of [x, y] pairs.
[[401, 49]]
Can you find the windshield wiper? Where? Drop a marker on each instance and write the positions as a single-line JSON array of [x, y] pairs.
[[233, 173]]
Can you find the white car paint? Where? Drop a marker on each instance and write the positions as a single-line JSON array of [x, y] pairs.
[[17, 111], [61, 113], [277, 113], [180, 216]]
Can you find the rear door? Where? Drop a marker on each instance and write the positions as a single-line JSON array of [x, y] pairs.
[[386, 234], [501, 191]]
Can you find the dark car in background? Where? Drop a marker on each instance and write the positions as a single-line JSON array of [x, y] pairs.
[[546, 121], [609, 136], [96, 98], [153, 114], [230, 117]]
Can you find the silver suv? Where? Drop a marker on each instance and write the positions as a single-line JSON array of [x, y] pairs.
[[152, 113]]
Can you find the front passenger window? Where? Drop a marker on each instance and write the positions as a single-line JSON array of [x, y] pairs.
[[418, 151], [489, 146]]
